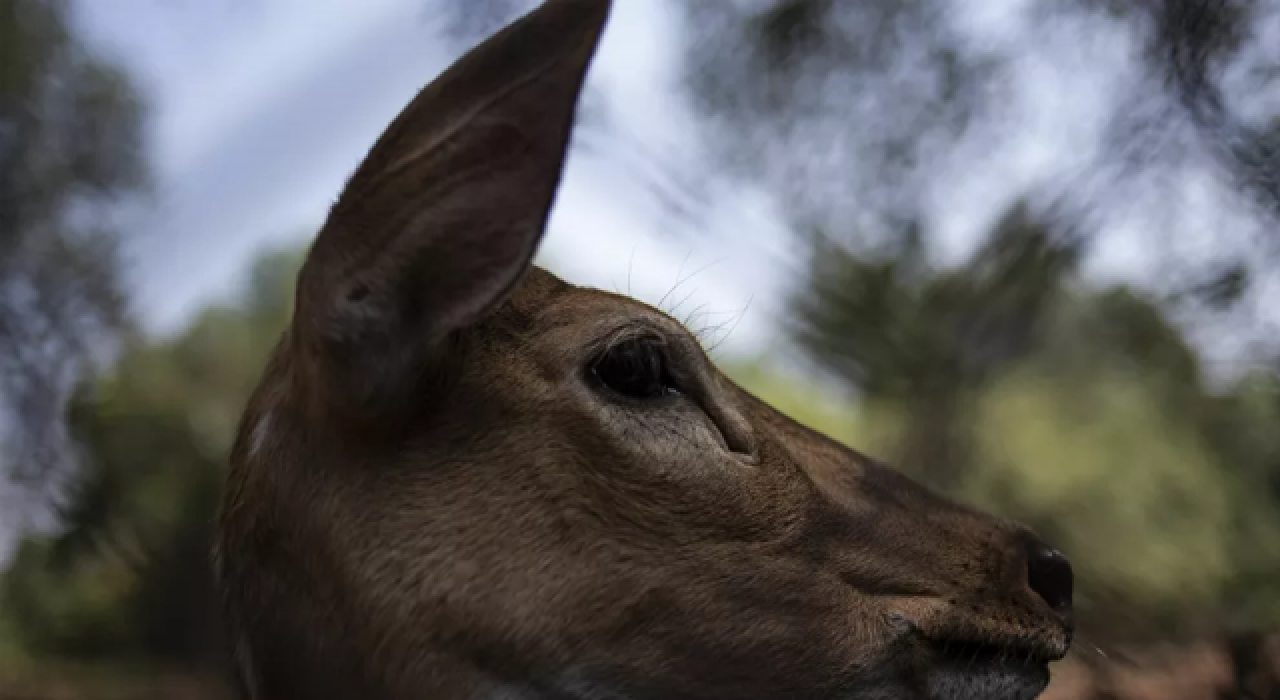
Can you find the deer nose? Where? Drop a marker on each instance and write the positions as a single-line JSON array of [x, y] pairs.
[[1049, 575]]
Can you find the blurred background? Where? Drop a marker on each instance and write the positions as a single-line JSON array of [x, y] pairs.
[[1024, 249]]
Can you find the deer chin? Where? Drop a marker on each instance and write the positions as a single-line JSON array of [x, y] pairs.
[[966, 671], [960, 678], [947, 677], [907, 667], [961, 671]]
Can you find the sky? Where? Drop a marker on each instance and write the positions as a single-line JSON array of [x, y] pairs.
[[259, 112], [261, 109]]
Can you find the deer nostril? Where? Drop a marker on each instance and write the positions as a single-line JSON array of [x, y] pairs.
[[1049, 575]]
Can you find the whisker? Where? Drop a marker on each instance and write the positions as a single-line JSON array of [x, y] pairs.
[[734, 327], [676, 286], [688, 320], [680, 282], [682, 302], [630, 264], [712, 328]]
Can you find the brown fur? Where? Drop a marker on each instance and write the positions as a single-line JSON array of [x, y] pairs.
[[431, 498]]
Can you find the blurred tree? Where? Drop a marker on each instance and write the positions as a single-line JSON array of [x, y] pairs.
[[901, 332], [884, 89], [126, 574], [70, 148], [1191, 45], [875, 87]]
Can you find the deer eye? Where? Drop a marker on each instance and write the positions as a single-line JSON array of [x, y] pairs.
[[635, 369]]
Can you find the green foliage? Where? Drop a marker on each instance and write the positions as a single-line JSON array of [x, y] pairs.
[[1127, 487], [126, 574]]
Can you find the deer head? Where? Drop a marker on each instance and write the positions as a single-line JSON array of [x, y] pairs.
[[461, 477]]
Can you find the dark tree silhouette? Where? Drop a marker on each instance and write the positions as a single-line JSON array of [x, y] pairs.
[[70, 147]]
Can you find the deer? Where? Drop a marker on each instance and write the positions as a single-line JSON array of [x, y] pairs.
[[463, 477]]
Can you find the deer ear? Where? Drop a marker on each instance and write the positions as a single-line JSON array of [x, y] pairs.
[[445, 214]]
